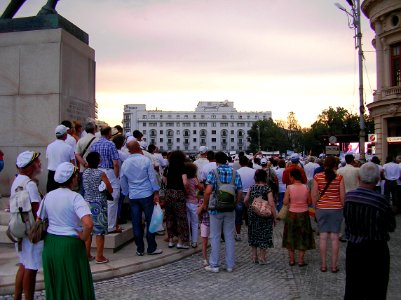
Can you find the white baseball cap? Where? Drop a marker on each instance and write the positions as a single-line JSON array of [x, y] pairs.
[[143, 145], [64, 172], [60, 130], [203, 149], [263, 161], [26, 157]]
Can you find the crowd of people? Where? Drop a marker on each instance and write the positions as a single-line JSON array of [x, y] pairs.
[[91, 174]]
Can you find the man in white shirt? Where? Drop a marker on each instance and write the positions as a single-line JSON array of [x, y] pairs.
[[70, 140], [392, 174], [202, 160], [309, 169], [349, 173], [208, 167], [247, 177], [30, 255], [58, 152]]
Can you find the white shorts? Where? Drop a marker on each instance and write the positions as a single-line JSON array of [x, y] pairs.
[[205, 231], [31, 255]]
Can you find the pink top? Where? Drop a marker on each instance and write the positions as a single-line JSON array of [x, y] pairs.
[[298, 198], [191, 191]]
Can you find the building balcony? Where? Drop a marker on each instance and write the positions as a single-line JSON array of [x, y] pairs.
[[203, 143], [389, 93]]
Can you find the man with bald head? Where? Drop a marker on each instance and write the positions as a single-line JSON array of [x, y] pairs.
[[138, 181]]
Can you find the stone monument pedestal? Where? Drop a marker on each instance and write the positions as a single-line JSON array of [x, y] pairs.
[[46, 76]]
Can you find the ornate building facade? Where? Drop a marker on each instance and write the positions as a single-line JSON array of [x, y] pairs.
[[385, 20], [217, 125]]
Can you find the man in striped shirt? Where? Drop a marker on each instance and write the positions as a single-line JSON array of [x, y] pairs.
[[368, 219]]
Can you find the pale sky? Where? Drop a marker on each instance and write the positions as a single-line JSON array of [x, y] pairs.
[[274, 55]]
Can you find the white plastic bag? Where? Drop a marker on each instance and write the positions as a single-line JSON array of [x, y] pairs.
[[156, 223]]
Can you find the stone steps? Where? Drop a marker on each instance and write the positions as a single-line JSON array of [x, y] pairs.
[[113, 242]]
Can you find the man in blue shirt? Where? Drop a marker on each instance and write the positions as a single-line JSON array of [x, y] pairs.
[[138, 181], [221, 220]]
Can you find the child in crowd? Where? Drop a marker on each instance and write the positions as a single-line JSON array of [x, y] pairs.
[[192, 202]]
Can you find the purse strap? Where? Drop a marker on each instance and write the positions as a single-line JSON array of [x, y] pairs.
[[326, 187]]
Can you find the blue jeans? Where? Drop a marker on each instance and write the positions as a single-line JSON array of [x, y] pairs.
[[137, 207], [226, 221], [280, 201], [239, 211]]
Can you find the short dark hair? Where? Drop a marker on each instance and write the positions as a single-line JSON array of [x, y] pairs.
[[105, 131], [221, 158], [281, 163], [349, 158], [260, 176], [137, 134], [243, 160], [376, 160], [296, 174], [190, 169], [210, 155], [67, 124], [93, 160], [151, 148], [119, 128], [242, 153], [118, 140]]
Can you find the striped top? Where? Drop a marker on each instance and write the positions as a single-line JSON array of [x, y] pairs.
[[331, 198], [368, 216]]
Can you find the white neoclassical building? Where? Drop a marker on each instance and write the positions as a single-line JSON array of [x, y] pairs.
[[217, 125], [385, 20]]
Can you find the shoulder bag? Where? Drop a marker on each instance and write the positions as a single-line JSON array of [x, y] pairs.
[[39, 228], [261, 207]]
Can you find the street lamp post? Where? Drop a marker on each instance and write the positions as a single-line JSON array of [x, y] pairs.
[[356, 25]]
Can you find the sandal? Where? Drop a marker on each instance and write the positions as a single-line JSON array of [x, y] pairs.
[[335, 270], [103, 261], [90, 258], [323, 269], [302, 264], [291, 263]]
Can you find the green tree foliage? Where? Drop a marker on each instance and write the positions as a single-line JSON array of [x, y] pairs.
[[288, 135]]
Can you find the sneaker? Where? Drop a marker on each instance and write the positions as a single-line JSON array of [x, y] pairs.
[[182, 246], [229, 270], [194, 245], [157, 251], [139, 253], [205, 263], [212, 269], [171, 245], [238, 238]]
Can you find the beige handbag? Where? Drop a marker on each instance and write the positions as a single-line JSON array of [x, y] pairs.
[[261, 207], [283, 212]]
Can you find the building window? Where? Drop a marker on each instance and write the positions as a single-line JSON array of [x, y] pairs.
[[169, 141], [194, 140], [186, 133], [194, 148], [152, 141], [203, 132], [153, 133], [177, 132], [144, 117], [178, 124], [203, 142], [396, 65], [214, 131], [161, 116], [152, 116], [194, 131], [185, 116], [161, 124], [194, 124], [213, 124], [239, 117], [170, 133], [224, 133], [223, 124], [169, 116], [161, 131], [152, 124], [214, 148], [144, 132], [213, 116], [202, 116], [161, 140], [186, 124], [169, 124], [202, 124], [232, 140], [224, 117], [240, 124], [232, 131], [194, 116], [177, 116], [213, 140], [178, 140], [144, 124]]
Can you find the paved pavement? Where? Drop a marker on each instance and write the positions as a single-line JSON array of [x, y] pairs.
[[277, 280]]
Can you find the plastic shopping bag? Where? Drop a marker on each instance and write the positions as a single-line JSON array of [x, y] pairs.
[[156, 223]]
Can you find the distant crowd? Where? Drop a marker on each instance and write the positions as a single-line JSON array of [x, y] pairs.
[[95, 176]]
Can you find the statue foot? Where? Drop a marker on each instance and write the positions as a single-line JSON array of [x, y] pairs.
[[46, 11]]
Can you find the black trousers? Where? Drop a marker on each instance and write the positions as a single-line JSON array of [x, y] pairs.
[[391, 188], [367, 270], [51, 184]]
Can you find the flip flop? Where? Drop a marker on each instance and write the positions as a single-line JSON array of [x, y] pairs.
[[102, 261], [292, 263], [335, 270], [302, 265], [323, 269]]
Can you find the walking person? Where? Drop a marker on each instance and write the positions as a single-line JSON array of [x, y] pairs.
[[281, 186], [110, 164], [139, 183], [30, 255], [66, 269], [175, 206], [93, 179], [260, 229], [369, 219], [221, 220], [298, 234], [392, 173], [328, 194]]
